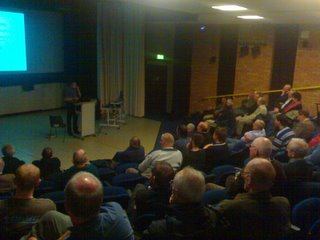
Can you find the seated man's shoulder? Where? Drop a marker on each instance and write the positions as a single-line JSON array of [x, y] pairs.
[[281, 201]]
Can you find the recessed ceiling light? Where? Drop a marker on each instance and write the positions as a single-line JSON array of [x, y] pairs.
[[229, 8], [251, 17]]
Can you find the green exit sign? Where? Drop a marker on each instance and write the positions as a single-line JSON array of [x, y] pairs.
[[160, 56]]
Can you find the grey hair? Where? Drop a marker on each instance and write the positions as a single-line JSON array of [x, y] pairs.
[[299, 147], [190, 185]]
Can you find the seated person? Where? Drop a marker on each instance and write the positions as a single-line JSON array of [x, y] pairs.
[[188, 218], [217, 153], [283, 135], [195, 156], [6, 180], [134, 153], [305, 127], [226, 117], [298, 169], [19, 213], [190, 129], [248, 119], [295, 103], [204, 129], [283, 97], [80, 163], [257, 131], [48, 165], [261, 147], [248, 105], [167, 154], [10, 162], [182, 138], [91, 219], [255, 214], [153, 198]]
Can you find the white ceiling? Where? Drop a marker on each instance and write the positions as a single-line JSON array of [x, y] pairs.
[[274, 11]]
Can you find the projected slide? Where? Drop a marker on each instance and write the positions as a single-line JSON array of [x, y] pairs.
[[12, 42]]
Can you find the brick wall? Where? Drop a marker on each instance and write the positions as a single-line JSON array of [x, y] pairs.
[[307, 70], [254, 73], [204, 74]]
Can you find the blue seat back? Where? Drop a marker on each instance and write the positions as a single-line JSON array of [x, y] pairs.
[[222, 172], [305, 213], [314, 232], [128, 180], [214, 196], [116, 194]]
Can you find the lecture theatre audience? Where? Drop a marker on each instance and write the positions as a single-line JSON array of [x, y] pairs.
[[172, 193], [134, 153], [260, 148], [284, 134], [182, 138], [89, 217], [80, 163], [11, 163], [187, 217], [19, 213], [241, 121], [153, 198], [255, 214], [283, 97], [195, 157], [257, 131], [6, 180], [167, 153], [217, 153], [48, 164], [298, 169], [305, 128]]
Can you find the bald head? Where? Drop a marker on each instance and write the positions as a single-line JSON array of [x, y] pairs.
[[188, 186], [261, 147], [167, 140], [27, 177], [259, 175], [80, 157], [83, 195]]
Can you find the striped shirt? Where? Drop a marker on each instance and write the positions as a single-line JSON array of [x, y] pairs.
[[282, 139]]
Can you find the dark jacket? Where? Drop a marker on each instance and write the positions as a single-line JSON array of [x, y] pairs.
[[195, 159], [256, 216], [184, 221], [216, 155], [11, 164], [63, 178], [48, 167], [298, 170], [130, 155]]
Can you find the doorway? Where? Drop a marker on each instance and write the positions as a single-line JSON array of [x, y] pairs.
[[155, 90]]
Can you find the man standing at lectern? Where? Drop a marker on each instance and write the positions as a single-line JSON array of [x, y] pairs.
[[72, 95]]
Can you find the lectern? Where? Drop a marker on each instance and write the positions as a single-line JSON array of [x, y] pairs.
[[87, 118]]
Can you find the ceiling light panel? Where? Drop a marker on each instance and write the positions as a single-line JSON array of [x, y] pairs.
[[229, 8], [251, 17]]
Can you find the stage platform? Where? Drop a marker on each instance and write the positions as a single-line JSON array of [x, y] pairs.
[[29, 134]]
